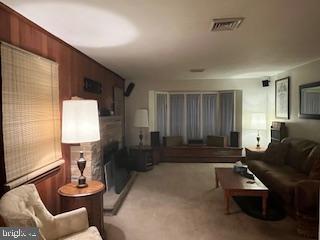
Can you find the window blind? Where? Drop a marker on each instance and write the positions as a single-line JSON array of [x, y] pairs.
[[30, 109]]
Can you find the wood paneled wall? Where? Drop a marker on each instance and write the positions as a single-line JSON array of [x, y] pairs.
[[73, 67]]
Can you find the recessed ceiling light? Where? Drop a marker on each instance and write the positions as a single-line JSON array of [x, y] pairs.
[[197, 70]]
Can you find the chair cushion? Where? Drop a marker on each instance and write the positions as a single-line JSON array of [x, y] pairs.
[[91, 233], [276, 153]]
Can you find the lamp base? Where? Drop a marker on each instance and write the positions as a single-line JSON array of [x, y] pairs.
[[82, 182], [258, 142], [140, 138], [81, 165]]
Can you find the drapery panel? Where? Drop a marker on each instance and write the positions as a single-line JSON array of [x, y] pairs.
[[226, 113], [162, 114], [209, 115], [177, 114], [31, 117], [193, 116]]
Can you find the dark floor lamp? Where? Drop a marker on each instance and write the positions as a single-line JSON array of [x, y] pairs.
[[80, 124]]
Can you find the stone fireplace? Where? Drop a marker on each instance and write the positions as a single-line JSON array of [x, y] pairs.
[[111, 130]]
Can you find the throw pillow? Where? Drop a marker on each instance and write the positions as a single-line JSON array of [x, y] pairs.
[[276, 153]]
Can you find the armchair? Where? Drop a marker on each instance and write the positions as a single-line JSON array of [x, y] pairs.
[[22, 207]]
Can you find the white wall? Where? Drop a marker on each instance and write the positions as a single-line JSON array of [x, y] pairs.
[[254, 99], [297, 127]]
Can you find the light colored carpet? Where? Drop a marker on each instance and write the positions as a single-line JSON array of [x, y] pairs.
[[177, 201]]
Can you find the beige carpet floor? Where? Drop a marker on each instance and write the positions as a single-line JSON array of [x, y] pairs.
[[179, 202]]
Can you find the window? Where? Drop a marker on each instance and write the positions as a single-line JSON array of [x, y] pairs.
[[194, 115], [31, 116]]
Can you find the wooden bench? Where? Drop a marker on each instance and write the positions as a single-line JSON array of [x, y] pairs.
[[202, 153]]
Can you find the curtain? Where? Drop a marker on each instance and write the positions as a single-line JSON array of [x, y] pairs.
[[209, 115], [226, 113], [193, 116], [162, 114], [176, 114]]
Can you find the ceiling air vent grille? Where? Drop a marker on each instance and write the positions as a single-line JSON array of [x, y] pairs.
[[226, 24]]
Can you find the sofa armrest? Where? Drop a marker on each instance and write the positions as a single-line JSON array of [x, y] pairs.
[[307, 198], [254, 155], [71, 222]]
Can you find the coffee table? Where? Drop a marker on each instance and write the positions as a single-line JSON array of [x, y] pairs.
[[234, 184]]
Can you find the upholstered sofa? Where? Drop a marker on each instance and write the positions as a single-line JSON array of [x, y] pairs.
[[22, 207], [291, 170]]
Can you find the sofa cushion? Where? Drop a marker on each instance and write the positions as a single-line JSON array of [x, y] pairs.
[[217, 141], [276, 153], [299, 149], [172, 141], [315, 159], [259, 168], [283, 180]]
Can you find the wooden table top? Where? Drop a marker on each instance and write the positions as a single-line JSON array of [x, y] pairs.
[[233, 181], [255, 149], [71, 189]]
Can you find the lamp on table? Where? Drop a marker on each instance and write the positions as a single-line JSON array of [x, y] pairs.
[[80, 124], [258, 122], [141, 121]]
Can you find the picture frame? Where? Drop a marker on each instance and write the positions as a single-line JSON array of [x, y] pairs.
[[309, 100], [282, 98]]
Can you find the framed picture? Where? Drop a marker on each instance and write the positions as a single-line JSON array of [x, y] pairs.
[[283, 98]]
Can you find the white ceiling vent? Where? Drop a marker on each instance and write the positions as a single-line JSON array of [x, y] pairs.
[[226, 24]]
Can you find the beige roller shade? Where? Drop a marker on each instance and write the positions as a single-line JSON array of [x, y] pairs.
[[30, 108]]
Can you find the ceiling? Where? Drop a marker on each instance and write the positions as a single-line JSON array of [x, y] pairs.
[[155, 40]]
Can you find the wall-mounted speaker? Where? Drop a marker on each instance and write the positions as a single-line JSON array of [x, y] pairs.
[[155, 139], [129, 89], [234, 139], [265, 83]]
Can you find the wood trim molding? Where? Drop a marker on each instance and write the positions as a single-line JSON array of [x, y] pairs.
[[29, 22]]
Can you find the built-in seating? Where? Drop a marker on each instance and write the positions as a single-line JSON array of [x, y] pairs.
[[170, 141], [174, 150], [217, 141]]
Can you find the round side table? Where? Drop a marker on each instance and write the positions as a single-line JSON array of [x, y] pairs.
[[90, 197]]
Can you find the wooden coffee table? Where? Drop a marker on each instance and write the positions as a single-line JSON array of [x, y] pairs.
[[234, 184]]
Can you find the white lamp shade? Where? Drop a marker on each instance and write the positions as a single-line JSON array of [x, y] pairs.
[[80, 121], [258, 121], [141, 118]]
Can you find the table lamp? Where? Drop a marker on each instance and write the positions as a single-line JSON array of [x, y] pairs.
[[258, 122], [141, 121], [80, 124]]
